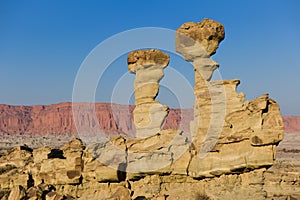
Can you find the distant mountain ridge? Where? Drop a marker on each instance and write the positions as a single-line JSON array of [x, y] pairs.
[[57, 119], [291, 124]]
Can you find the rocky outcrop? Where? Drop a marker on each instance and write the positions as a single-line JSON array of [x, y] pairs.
[[282, 180], [228, 134], [76, 172]]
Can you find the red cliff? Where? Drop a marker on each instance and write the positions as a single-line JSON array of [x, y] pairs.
[[291, 124], [57, 119]]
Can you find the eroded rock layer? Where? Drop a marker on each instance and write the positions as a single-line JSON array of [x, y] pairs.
[[76, 171]]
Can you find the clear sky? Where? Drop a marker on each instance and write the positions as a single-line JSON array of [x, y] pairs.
[[43, 43]]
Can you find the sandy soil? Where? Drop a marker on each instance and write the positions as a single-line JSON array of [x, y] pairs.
[[289, 148]]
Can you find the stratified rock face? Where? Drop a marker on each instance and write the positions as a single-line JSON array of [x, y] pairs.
[[57, 119], [148, 66]]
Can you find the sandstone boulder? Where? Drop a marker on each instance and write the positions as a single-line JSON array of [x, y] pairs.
[[105, 161], [63, 166], [199, 39]]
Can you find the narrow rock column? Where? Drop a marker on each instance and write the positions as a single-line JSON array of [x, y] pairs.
[[148, 66], [197, 42]]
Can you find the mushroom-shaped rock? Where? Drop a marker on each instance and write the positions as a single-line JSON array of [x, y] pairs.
[[145, 58], [199, 39], [197, 42], [148, 66]]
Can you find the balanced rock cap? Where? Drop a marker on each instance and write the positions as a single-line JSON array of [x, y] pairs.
[[208, 33], [146, 58]]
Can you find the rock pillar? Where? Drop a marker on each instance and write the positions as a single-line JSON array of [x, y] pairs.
[[148, 66], [197, 42]]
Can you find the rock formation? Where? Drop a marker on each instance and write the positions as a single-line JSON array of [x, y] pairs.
[[225, 155], [228, 134], [197, 42], [153, 148], [148, 66]]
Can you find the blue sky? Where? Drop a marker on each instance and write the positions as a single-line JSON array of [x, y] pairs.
[[43, 44]]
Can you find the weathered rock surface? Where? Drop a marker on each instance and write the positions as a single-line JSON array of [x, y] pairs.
[[282, 180], [199, 39], [18, 192]]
